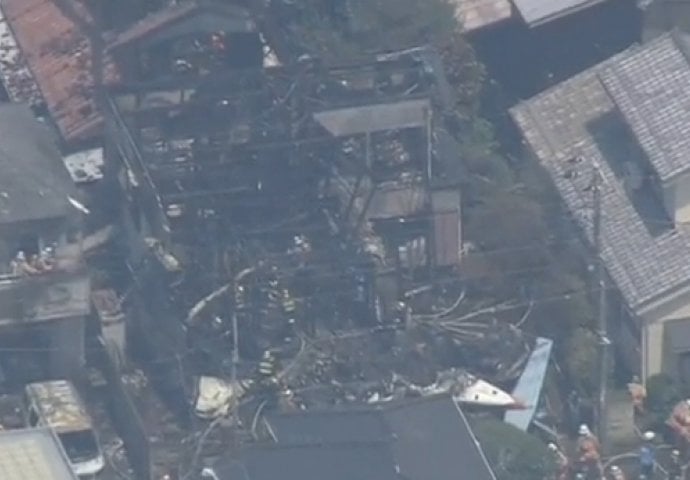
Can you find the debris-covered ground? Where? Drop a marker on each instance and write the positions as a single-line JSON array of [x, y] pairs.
[[364, 364]]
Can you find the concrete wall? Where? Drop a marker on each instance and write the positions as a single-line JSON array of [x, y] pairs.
[[67, 348]]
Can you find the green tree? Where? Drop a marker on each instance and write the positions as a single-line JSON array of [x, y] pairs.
[[373, 26], [512, 453], [662, 394], [580, 354]]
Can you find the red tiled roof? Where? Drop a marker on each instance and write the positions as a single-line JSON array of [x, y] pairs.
[[59, 56]]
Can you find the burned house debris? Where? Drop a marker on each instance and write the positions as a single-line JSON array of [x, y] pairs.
[[44, 285], [285, 236], [277, 210], [229, 140], [193, 37], [60, 64]]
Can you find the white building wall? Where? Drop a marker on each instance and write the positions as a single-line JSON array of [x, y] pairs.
[[677, 198], [653, 356]]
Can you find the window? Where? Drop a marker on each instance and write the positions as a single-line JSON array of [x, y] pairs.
[[80, 446], [29, 244]]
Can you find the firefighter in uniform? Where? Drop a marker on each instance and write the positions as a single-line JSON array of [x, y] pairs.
[[561, 461], [675, 470], [268, 374], [589, 451], [615, 473], [638, 394], [273, 294], [679, 422], [289, 308], [240, 296]]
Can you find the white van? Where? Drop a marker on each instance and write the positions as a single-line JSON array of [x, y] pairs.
[[56, 404]]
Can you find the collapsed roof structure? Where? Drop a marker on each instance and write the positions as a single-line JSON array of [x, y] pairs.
[[237, 171], [55, 58]]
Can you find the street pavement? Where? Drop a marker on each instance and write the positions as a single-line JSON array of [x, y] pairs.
[[629, 463]]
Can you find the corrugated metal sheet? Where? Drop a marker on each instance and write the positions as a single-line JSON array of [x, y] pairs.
[[447, 227], [396, 201], [529, 386], [476, 14], [536, 12], [374, 118], [447, 244]]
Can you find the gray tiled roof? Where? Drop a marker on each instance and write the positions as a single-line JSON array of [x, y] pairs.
[[315, 461], [429, 438], [34, 183], [652, 90], [33, 454], [578, 118]]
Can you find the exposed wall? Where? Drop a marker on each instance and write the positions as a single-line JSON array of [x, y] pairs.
[[654, 359], [67, 348], [664, 15], [677, 196]]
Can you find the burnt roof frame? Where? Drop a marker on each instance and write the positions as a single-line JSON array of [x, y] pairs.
[[265, 76], [268, 88], [167, 20]]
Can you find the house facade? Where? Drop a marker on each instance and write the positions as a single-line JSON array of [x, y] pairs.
[[44, 286], [626, 119]]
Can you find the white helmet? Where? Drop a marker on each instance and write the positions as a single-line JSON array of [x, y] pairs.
[[648, 435], [583, 430], [615, 469], [552, 447]]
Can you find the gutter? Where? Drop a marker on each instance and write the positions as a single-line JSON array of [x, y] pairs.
[[658, 301]]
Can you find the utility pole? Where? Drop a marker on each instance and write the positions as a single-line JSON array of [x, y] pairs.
[[602, 324], [235, 330]]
